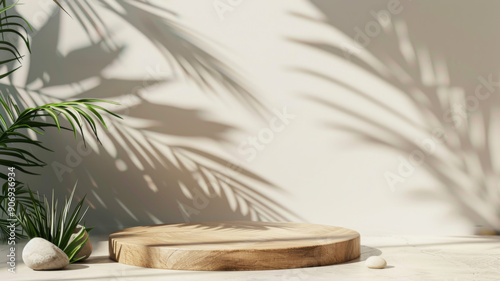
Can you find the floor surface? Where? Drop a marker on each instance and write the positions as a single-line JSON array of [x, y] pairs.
[[408, 257]]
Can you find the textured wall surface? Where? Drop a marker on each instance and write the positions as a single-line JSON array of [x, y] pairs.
[[380, 116]]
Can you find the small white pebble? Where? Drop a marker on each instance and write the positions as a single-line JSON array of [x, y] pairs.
[[375, 262]]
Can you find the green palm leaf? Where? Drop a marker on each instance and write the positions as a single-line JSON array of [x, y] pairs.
[[23, 201], [75, 112], [12, 27]]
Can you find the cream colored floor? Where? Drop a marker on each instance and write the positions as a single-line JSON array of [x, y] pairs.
[[409, 258]]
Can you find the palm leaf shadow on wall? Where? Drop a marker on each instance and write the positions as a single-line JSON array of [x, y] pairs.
[[186, 50], [154, 181], [465, 166]]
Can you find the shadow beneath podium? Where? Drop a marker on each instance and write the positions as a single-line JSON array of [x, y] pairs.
[[366, 252], [98, 260]]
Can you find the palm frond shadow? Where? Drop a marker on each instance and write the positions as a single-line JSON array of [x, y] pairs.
[[466, 171], [187, 51], [156, 180], [159, 183], [235, 226]]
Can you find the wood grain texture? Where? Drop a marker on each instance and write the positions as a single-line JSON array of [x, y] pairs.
[[234, 245]]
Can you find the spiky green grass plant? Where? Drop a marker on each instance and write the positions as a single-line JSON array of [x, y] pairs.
[[57, 226]]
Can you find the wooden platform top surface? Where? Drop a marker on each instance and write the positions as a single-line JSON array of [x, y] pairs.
[[236, 245], [233, 235]]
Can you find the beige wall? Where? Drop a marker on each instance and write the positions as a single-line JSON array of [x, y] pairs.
[[365, 100]]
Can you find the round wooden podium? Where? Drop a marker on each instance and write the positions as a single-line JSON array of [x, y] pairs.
[[234, 245]]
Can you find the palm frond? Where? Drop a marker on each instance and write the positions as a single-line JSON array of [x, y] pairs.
[[23, 200], [75, 112], [12, 28]]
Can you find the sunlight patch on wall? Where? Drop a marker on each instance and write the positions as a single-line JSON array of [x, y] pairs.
[[99, 198], [151, 184], [126, 209]]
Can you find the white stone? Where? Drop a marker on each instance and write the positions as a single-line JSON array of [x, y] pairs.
[[40, 254], [376, 262], [86, 250]]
